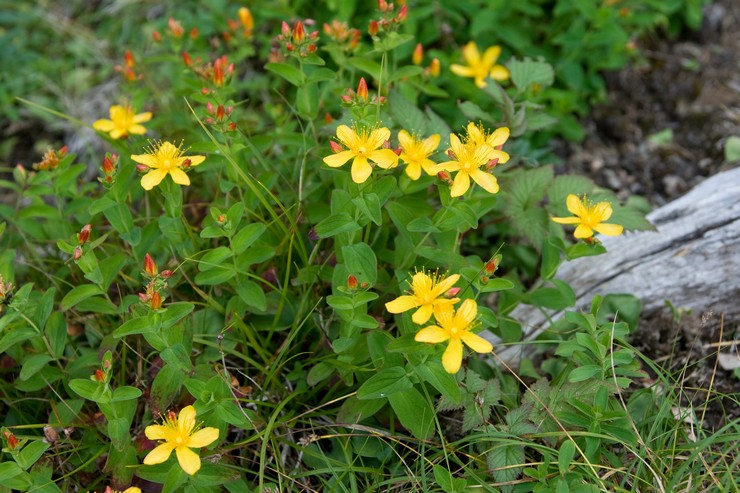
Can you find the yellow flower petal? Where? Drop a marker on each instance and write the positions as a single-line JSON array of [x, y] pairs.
[[445, 284], [461, 70], [145, 159], [347, 136], [503, 157], [405, 139], [486, 180], [602, 211], [575, 206], [104, 125], [490, 56], [476, 343], [179, 177], [460, 185], [423, 314], [132, 489], [338, 159], [136, 130], [203, 437], [566, 220], [583, 231], [117, 133], [456, 146], [467, 312], [385, 158], [480, 82], [452, 357], [155, 432], [499, 72], [361, 169], [189, 460], [378, 137], [498, 137], [413, 170], [194, 160], [142, 117], [430, 144], [153, 178], [186, 420], [471, 54], [431, 334], [609, 229], [402, 304], [159, 454]]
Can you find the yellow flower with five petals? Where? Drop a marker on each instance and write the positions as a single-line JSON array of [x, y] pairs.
[[363, 145], [164, 158], [427, 292], [481, 67], [123, 122], [179, 434], [455, 327], [415, 153], [589, 217]]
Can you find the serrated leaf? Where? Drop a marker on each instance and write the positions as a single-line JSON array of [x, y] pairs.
[[564, 185], [502, 458], [527, 72]]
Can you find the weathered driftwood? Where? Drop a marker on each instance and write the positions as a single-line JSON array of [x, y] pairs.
[[692, 260]]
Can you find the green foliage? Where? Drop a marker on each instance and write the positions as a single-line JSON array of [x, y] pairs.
[[327, 324]]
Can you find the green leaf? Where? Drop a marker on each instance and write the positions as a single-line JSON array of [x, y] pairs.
[[33, 364], [251, 293], [551, 250], [78, 294], [178, 356], [366, 65], [138, 325], [339, 302], [584, 373], [321, 74], [13, 477], [319, 372], [361, 262], [502, 458], [443, 477], [166, 387], [563, 186], [56, 332], [405, 72], [434, 373], [565, 456], [214, 258], [31, 453], [126, 393], [392, 40], [215, 276], [15, 336], [385, 382], [582, 249], [90, 390], [246, 237], [732, 148], [474, 112], [335, 224], [176, 312], [44, 307], [307, 100], [287, 72], [407, 115], [496, 284], [527, 72], [414, 412], [369, 205]]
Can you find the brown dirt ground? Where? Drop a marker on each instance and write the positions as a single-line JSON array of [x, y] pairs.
[[692, 87]]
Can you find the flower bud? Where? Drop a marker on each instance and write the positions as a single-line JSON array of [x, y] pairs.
[[362, 93], [444, 176], [335, 147], [311, 48], [194, 33], [166, 274], [299, 33], [155, 302], [352, 282], [246, 19], [220, 112], [492, 265], [382, 5], [156, 37], [205, 91], [434, 68], [418, 55], [186, 163], [452, 292], [186, 59], [484, 279], [150, 268], [108, 167], [232, 126], [373, 28], [402, 14], [328, 118], [221, 218], [11, 439], [77, 255], [175, 28], [312, 235], [285, 30], [209, 108], [491, 164], [84, 234], [128, 59], [99, 375], [143, 297], [142, 168]]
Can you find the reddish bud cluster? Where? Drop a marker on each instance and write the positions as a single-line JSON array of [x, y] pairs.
[[127, 69], [342, 34], [361, 98], [158, 281], [175, 28], [295, 40], [390, 19], [108, 167], [352, 282], [99, 375], [50, 159], [150, 268]]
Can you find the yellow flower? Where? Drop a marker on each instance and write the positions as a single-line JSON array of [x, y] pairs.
[[454, 327], [164, 158], [363, 147], [131, 489], [589, 217], [178, 434], [479, 67], [477, 136], [123, 122], [415, 153], [469, 157], [426, 292]]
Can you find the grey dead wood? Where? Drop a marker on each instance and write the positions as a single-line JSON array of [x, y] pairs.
[[692, 260]]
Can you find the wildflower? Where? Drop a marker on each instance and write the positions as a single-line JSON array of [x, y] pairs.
[[132, 489], [247, 21], [123, 122], [589, 218], [454, 327], [179, 434], [427, 293], [164, 158], [479, 67], [467, 160], [415, 153], [51, 159], [478, 136], [363, 147]]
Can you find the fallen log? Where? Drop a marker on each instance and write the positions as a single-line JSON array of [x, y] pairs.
[[692, 260]]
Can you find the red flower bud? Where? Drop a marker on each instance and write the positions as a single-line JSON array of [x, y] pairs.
[[108, 166], [335, 147], [186, 59], [484, 279], [444, 176], [156, 37], [402, 14], [418, 55], [150, 268], [166, 274], [311, 48], [220, 112], [352, 282], [382, 5], [285, 30], [373, 28], [143, 297], [99, 375], [209, 108], [232, 126], [221, 218], [77, 255], [11, 439], [328, 118], [84, 234], [155, 302], [142, 168], [194, 33], [128, 58], [362, 90], [492, 265], [434, 68], [186, 163], [452, 292], [299, 33]]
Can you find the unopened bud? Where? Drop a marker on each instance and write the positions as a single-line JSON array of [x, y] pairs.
[[452, 292], [156, 37], [155, 302], [362, 93], [209, 108], [11, 439], [418, 55], [108, 166], [142, 168], [491, 164], [232, 126], [77, 255], [220, 112], [373, 28], [150, 268], [246, 19], [382, 5], [484, 279], [143, 297], [84, 234], [194, 33], [398, 151], [166, 274], [311, 48], [492, 265], [285, 30], [352, 282], [335, 147], [434, 68], [402, 14], [289, 47], [128, 59], [444, 176], [328, 118], [205, 91], [186, 163], [99, 375], [313, 235], [186, 59], [451, 154], [299, 33]]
